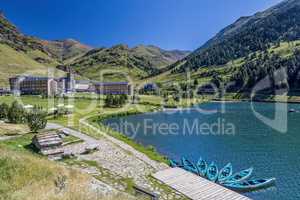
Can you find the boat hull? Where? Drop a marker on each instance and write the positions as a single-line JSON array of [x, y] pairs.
[[238, 177], [253, 185]]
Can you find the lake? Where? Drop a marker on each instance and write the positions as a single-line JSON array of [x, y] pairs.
[[224, 133]]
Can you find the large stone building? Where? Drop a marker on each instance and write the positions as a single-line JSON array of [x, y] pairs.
[[113, 88], [32, 85]]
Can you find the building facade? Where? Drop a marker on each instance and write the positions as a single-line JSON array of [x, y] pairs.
[[30, 85], [70, 82], [83, 86], [4, 91], [113, 88]]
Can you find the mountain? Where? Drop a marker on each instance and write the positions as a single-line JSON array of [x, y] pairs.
[[158, 57], [21, 54], [27, 53], [65, 49], [58, 50], [249, 49], [249, 34], [12, 37], [139, 62]]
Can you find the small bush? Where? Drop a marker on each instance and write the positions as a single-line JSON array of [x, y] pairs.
[[36, 119], [16, 113], [4, 108], [113, 101]]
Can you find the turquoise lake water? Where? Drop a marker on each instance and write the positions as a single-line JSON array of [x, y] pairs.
[[242, 139]]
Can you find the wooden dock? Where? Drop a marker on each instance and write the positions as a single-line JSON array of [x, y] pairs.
[[196, 187]]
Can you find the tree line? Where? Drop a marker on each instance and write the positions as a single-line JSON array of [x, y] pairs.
[[265, 65]]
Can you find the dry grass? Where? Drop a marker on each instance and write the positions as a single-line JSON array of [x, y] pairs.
[[27, 177], [13, 129]]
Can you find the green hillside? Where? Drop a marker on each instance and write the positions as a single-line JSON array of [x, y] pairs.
[[246, 51], [138, 62], [228, 71], [63, 50], [13, 62], [249, 34]]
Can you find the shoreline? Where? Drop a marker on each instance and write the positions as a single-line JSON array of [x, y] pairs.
[[98, 120], [255, 100], [149, 151]]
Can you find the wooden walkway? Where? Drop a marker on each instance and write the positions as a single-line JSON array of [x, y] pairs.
[[196, 187]]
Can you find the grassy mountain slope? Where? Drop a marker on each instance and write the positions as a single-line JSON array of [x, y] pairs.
[[11, 36], [247, 50], [158, 57], [249, 34], [48, 51], [65, 49], [138, 62], [23, 54], [14, 62], [33, 55], [228, 71]]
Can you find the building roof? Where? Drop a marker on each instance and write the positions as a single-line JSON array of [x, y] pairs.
[[111, 83], [21, 77], [83, 82]]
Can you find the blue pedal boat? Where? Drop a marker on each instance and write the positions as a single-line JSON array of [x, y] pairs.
[[238, 177], [202, 167], [225, 173], [247, 186], [174, 163], [212, 172], [189, 166]]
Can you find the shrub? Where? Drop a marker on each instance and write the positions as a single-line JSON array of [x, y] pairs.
[[115, 100], [37, 119], [4, 108], [16, 113]]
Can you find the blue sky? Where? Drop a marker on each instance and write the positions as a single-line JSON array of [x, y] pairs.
[[170, 24]]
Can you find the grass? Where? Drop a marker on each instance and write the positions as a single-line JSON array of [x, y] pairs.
[[13, 62], [71, 140], [24, 176], [154, 100], [105, 176], [20, 144], [7, 129], [91, 106], [108, 73]]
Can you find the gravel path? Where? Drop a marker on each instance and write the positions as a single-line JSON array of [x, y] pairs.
[[94, 142], [117, 158]]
